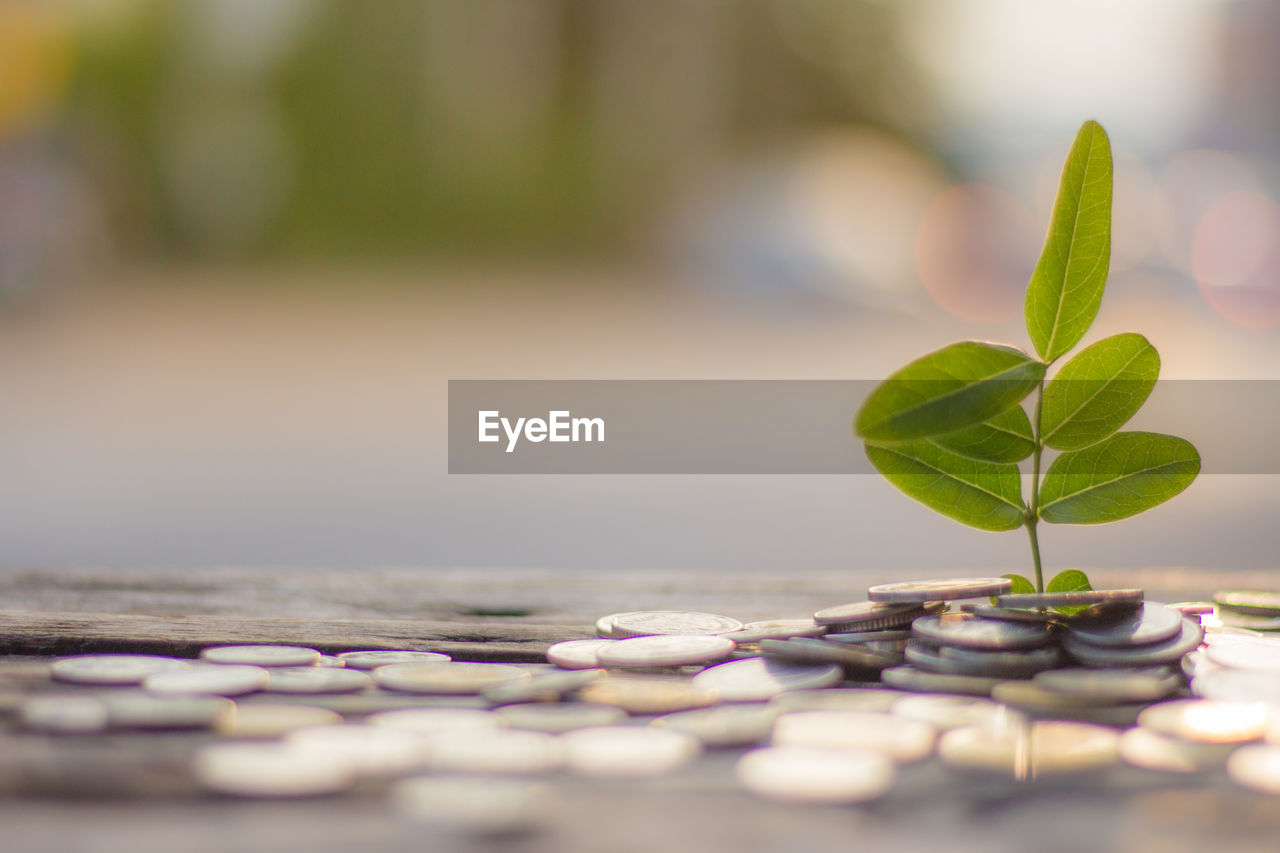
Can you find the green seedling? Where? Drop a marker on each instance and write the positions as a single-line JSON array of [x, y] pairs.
[[950, 429]]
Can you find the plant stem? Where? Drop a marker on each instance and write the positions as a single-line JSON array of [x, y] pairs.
[[1033, 504]]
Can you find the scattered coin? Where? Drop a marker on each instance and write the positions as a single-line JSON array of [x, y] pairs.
[[817, 651], [944, 711], [452, 677], [375, 659], [1030, 750], [805, 775], [371, 701], [965, 629], [1153, 751], [884, 615], [628, 752], [496, 751], [1034, 698], [1256, 767], [1153, 654], [271, 721], [1236, 619], [891, 635], [747, 724], [316, 679], [543, 687], [1206, 721], [1117, 627], [1008, 614], [875, 699], [637, 694], [910, 678], [758, 679], [649, 622], [229, 680], [113, 669], [437, 720], [941, 589], [375, 751], [1254, 603], [1194, 608], [270, 771], [1262, 653], [69, 715], [1119, 685], [776, 629], [559, 717], [666, 650], [261, 655], [482, 806], [578, 654], [1069, 599], [898, 738], [604, 625], [144, 711]]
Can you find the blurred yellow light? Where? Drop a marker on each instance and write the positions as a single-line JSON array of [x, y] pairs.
[[35, 63]]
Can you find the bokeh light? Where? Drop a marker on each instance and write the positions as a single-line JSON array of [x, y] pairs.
[[1236, 258]]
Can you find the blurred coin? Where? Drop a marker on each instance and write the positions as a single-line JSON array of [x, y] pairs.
[[942, 589], [377, 658], [628, 752], [776, 629], [898, 738], [1112, 627], [725, 726], [1030, 750], [272, 721], [637, 694], [868, 611], [578, 654], [1236, 619], [757, 679], [113, 669], [437, 720], [76, 715], [542, 687], [1013, 664], [1069, 599], [483, 806], [943, 711], [1037, 700], [649, 622], [229, 680], [1261, 653], [371, 701], [930, 659], [558, 717], [806, 775], [816, 651], [891, 635], [1206, 721], [1253, 602], [1153, 751], [496, 751], [375, 751], [1256, 767], [965, 629], [1237, 685], [1008, 614], [1153, 654], [261, 655], [316, 679], [838, 699], [332, 661], [143, 711], [1193, 608], [270, 771], [910, 678], [1214, 632], [666, 650], [1119, 685], [450, 677]]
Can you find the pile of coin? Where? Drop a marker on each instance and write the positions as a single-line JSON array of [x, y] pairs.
[[824, 708]]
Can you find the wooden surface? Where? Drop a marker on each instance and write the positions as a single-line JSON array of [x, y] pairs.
[[64, 793]]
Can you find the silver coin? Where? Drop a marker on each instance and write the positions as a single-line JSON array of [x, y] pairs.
[[1256, 767], [144, 711], [371, 701], [910, 678], [604, 625], [578, 654], [1014, 664], [820, 776], [647, 694], [944, 711], [964, 629], [890, 635], [64, 715], [1033, 698], [1194, 608], [940, 589], [1120, 685], [377, 658], [1153, 751], [373, 751], [559, 717], [270, 771], [628, 752], [897, 738], [503, 752], [453, 677], [758, 679], [666, 650], [228, 680], [1076, 598], [776, 629], [437, 720], [1252, 602], [267, 722], [1206, 721], [1008, 614], [1262, 653], [867, 611], [1153, 654], [1234, 619], [542, 687], [747, 724], [649, 622], [1237, 685], [931, 659], [119, 670], [479, 806], [1032, 750], [1114, 627], [316, 679], [331, 661], [817, 651], [875, 699], [261, 655]]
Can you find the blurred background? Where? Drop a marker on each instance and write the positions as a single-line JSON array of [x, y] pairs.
[[244, 245]]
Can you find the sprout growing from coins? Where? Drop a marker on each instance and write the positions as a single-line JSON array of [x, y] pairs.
[[950, 429]]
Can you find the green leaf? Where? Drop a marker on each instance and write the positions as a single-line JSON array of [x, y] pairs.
[[1005, 438], [1098, 390], [1072, 580], [957, 386], [1066, 285], [1116, 478], [1021, 585], [986, 495]]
